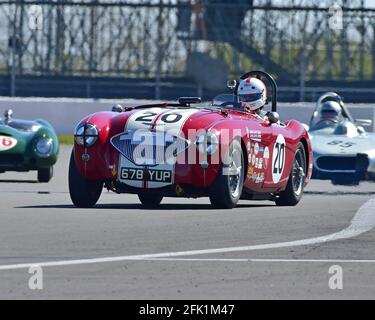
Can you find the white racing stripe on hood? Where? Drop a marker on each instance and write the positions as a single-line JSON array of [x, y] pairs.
[[143, 119], [161, 119], [173, 121]]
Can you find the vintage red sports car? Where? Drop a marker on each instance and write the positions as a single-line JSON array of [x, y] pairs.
[[189, 149]]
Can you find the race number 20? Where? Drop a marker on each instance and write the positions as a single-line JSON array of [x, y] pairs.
[[278, 158]]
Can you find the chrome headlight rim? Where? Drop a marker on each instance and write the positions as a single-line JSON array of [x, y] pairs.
[[86, 135], [207, 142], [43, 147]]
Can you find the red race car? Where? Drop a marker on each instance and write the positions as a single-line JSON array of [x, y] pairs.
[[227, 151]]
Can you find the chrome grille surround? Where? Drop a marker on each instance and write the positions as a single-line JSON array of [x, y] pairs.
[[148, 147]]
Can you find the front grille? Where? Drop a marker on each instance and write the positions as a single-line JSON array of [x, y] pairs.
[[149, 148], [10, 159], [334, 163]]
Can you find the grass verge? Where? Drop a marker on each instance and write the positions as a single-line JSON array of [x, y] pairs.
[[66, 139]]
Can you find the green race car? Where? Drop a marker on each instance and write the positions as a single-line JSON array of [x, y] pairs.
[[27, 145]]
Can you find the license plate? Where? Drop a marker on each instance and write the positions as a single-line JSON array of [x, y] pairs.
[[151, 175]]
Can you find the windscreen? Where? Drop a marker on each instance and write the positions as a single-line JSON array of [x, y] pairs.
[[24, 125], [228, 101]]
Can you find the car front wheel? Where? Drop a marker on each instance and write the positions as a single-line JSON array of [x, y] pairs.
[[292, 195], [227, 189], [83, 192], [45, 175]]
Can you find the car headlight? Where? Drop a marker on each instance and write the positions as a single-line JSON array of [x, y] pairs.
[[86, 135], [207, 143], [43, 147]]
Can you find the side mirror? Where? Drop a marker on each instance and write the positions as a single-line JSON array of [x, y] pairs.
[[273, 117], [363, 122], [232, 84], [117, 108]]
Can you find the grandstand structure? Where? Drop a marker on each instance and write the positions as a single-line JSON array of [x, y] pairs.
[[303, 43]]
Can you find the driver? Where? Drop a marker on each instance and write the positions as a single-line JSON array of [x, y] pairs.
[[252, 95], [8, 114]]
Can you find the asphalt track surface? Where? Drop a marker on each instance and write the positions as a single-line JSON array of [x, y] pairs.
[[184, 250]]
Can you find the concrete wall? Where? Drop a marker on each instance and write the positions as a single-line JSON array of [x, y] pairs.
[[64, 113]]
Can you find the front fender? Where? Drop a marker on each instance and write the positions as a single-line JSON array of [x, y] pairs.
[[99, 161]]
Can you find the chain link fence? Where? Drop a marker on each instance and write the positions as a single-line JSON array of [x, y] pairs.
[[296, 40]]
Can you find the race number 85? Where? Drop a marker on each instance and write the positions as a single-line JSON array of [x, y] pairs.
[[278, 159]]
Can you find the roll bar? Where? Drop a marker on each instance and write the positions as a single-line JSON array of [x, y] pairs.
[[261, 74]]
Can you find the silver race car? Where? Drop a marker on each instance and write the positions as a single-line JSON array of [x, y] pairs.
[[343, 151]]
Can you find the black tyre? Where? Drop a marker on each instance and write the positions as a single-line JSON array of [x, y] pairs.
[[83, 192], [292, 195], [149, 200], [227, 189], [45, 175]]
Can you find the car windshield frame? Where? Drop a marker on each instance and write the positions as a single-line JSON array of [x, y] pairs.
[[23, 125], [226, 101]]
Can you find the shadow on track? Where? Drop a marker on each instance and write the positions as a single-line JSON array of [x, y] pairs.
[[19, 181], [340, 193], [163, 207]]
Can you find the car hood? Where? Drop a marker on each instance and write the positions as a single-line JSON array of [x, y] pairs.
[[152, 119], [342, 144]]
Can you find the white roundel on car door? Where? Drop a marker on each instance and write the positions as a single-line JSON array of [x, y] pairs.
[[7, 143], [278, 158]]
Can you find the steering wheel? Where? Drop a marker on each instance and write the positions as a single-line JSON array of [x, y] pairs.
[[229, 103]]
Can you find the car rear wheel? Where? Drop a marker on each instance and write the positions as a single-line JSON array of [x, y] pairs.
[[45, 175], [292, 195], [149, 200], [83, 192], [227, 189]]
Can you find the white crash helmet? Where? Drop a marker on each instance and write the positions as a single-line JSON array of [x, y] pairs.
[[330, 96], [252, 94]]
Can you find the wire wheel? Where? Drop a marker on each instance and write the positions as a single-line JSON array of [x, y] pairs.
[[227, 189], [292, 195], [235, 172], [298, 174]]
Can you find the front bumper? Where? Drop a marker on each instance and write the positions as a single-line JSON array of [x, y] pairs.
[[344, 170], [175, 190], [104, 163], [23, 162]]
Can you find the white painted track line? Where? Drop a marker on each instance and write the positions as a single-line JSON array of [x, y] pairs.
[[363, 221], [331, 261]]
